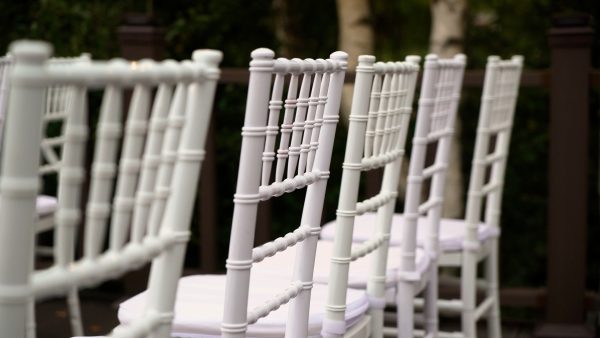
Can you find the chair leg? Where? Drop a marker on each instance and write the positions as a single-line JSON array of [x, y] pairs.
[[30, 329], [75, 312], [376, 323], [31, 326], [491, 275], [468, 293], [431, 308], [405, 309]]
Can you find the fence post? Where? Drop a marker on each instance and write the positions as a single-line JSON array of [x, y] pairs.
[[140, 37], [570, 41]]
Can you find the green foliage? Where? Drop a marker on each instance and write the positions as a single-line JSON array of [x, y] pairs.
[[401, 28], [508, 27], [226, 25], [71, 26]]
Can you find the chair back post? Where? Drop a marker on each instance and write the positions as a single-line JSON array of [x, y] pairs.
[[19, 183], [297, 325], [454, 74], [417, 160], [246, 197], [495, 119], [334, 322], [513, 71], [167, 268], [478, 167]]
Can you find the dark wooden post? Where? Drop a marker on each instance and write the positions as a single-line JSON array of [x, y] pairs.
[[570, 42], [140, 37]]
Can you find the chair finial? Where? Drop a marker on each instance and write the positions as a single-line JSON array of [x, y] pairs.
[[208, 56], [30, 50]]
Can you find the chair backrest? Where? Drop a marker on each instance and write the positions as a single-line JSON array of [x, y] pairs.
[[58, 99], [498, 101], [438, 104], [161, 150], [306, 134], [378, 127]]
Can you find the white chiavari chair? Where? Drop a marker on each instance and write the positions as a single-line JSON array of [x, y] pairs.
[[147, 216], [475, 239], [378, 126], [5, 65], [438, 104], [240, 304], [57, 101]]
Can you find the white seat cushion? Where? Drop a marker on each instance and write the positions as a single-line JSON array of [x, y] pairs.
[[46, 205], [199, 306], [452, 231], [360, 269]]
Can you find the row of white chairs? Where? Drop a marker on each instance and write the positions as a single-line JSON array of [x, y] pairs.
[[144, 178]]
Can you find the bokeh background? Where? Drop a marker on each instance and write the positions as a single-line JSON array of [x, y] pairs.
[[311, 28]]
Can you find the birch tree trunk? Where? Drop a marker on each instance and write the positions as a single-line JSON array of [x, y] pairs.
[[446, 40], [355, 38]]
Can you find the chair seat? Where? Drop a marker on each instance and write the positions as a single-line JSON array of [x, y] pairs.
[[452, 231], [46, 205], [199, 306], [360, 269]]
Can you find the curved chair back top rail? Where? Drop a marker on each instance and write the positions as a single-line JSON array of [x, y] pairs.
[[147, 215], [308, 92], [438, 105], [498, 102], [378, 127]]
